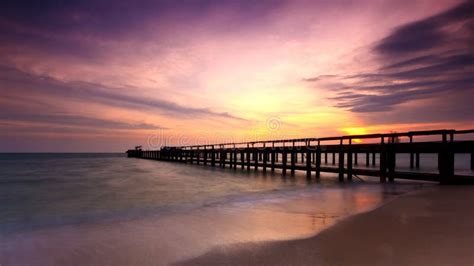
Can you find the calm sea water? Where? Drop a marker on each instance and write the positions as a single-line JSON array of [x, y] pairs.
[[100, 209]]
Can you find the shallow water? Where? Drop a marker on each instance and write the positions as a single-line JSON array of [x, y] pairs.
[[104, 209]]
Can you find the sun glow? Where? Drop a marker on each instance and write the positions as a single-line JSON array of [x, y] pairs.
[[355, 131]]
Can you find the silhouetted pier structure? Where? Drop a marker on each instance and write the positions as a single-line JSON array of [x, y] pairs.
[[338, 155]]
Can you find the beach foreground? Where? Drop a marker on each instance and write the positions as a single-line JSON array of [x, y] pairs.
[[433, 226]]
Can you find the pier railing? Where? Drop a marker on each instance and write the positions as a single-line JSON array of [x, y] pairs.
[[338, 155]]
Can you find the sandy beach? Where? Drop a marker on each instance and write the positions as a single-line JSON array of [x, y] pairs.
[[433, 226]]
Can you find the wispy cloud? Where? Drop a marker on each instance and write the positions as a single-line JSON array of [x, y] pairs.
[[18, 83], [74, 121], [424, 59]]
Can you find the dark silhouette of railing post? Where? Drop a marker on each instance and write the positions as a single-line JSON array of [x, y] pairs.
[[333, 158], [367, 159]]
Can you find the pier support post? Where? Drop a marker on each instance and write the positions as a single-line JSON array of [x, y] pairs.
[[325, 158], [273, 160], [383, 162], [333, 158], [242, 160], [293, 159], [341, 163], [446, 160], [356, 161], [265, 159], [308, 163], [318, 160], [373, 158], [255, 157], [248, 159], [417, 160], [234, 157], [284, 158], [349, 161], [222, 158], [367, 159], [213, 156], [391, 162]]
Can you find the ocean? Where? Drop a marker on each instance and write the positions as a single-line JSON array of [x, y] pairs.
[[106, 209]]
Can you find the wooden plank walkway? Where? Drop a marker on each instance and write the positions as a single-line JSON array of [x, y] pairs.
[[338, 155]]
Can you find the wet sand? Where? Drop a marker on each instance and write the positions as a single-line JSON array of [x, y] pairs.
[[434, 226]]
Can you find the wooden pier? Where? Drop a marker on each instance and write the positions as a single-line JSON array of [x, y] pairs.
[[316, 155]]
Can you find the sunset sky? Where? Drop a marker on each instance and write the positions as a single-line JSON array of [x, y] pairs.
[[108, 75]]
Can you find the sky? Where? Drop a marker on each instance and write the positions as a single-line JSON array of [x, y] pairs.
[[91, 76]]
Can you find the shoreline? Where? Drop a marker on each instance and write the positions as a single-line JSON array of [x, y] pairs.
[[166, 239], [432, 226]]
